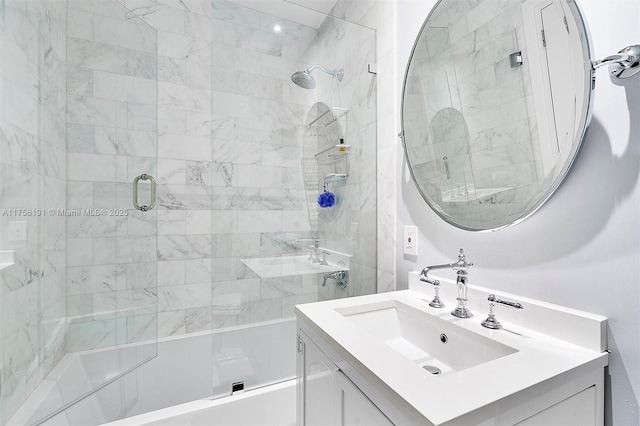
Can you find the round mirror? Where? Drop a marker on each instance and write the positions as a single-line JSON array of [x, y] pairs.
[[496, 100]]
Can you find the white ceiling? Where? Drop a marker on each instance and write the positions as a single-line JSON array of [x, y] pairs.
[[307, 12]]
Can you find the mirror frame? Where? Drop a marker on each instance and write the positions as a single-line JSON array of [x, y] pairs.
[[581, 129]]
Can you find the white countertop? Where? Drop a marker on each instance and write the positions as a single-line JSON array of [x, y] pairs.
[[543, 357]]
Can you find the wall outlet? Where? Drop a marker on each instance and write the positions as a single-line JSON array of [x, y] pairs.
[[410, 240], [17, 231]]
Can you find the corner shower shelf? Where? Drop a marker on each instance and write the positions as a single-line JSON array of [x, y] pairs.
[[335, 177], [324, 121], [286, 266]]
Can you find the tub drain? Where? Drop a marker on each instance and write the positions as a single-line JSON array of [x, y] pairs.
[[431, 369]]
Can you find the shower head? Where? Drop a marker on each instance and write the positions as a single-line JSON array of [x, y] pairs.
[[306, 81], [303, 79]]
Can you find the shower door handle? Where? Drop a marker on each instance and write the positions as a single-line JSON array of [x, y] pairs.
[[152, 203]]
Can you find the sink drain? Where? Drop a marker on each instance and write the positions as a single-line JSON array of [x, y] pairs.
[[431, 369]]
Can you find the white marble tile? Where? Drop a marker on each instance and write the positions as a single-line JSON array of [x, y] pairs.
[[90, 55], [80, 24], [198, 222], [236, 105], [172, 120], [259, 176], [93, 111], [127, 34], [223, 269], [172, 70], [246, 244], [198, 173], [198, 124], [261, 310], [92, 335], [109, 140], [184, 147], [198, 74], [236, 151], [171, 323], [260, 221], [142, 275], [171, 222], [24, 111], [91, 167], [198, 271], [235, 14], [171, 273], [183, 47], [141, 116], [124, 88], [184, 297], [189, 197], [97, 226], [184, 97], [198, 319], [198, 26], [158, 16], [224, 222], [172, 171], [259, 41], [181, 247], [246, 291], [142, 64]]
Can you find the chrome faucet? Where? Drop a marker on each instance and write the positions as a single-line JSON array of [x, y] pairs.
[[461, 311], [314, 255], [341, 278]]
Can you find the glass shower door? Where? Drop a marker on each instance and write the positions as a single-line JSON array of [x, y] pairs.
[[78, 285], [112, 102]]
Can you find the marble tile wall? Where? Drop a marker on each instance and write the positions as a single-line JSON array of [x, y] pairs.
[[111, 138], [33, 175]]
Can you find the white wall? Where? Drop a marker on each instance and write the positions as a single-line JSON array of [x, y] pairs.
[[582, 248]]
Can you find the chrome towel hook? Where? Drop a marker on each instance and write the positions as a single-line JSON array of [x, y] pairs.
[[152, 203], [622, 65]]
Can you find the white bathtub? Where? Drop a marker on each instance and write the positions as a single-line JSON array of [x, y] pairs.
[[188, 369], [273, 405]]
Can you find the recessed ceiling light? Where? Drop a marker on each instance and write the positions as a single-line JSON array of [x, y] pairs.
[[277, 28]]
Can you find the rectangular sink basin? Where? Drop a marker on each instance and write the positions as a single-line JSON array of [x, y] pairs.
[[435, 344]]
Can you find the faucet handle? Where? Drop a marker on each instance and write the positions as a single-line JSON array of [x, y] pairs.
[[491, 321], [436, 302], [462, 261]]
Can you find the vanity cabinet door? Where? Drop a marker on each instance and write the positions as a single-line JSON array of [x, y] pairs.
[[326, 396], [315, 384], [353, 406]]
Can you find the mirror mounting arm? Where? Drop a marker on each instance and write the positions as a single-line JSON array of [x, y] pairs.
[[622, 65]]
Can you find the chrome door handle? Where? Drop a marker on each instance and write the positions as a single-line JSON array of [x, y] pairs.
[[152, 203]]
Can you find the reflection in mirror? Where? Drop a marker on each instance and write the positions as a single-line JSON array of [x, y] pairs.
[[495, 104]]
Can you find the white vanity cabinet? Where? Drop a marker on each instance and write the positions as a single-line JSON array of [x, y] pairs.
[[326, 396], [362, 361]]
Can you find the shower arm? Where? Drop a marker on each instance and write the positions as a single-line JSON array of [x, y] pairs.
[[335, 72]]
